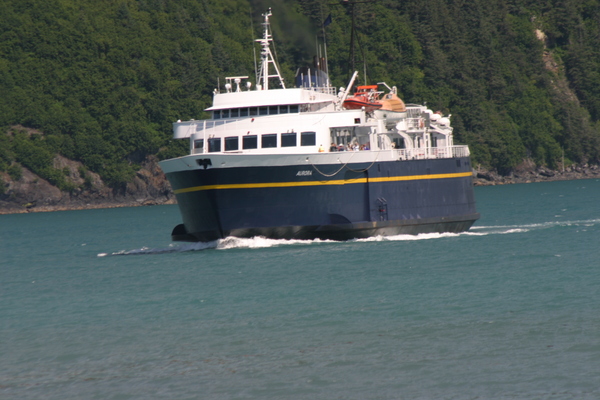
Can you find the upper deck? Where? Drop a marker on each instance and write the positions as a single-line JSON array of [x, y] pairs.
[[257, 98]]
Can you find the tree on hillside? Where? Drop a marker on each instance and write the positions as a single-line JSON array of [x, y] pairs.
[[104, 81]]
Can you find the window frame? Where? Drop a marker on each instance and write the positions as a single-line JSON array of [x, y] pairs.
[[304, 136], [268, 136], [229, 141], [286, 139], [213, 141], [248, 138]]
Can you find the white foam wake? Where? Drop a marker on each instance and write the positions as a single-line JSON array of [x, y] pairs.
[[173, 248], [502, 229], [257, 242], [260, 242]]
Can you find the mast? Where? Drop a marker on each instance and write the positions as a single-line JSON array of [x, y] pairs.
[[354, 35], [266, 57]]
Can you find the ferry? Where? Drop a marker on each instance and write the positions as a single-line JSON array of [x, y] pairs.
[[304, 163]]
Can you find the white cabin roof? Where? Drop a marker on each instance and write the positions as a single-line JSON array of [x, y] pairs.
[[271, 97]]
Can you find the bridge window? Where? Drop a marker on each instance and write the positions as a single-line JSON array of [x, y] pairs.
[[250, 142], [232, 143], [288, 139], [269, 140], [214, 145], [199, 144], [308, 139], [254, 111]]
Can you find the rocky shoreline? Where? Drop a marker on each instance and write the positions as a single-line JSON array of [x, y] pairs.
[[530, 174], [30, 193]]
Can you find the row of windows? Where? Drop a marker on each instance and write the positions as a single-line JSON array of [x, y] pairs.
[[249, 142], [254, 111]]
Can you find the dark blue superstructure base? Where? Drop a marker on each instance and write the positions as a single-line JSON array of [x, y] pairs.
[[361, 200]]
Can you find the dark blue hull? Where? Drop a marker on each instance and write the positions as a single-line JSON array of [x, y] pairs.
[[304, 202]]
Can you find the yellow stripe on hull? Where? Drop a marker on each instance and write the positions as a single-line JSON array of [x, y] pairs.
[[320, 183]]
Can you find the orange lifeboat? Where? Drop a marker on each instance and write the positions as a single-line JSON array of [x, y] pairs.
[[392, 102], [365, 96]]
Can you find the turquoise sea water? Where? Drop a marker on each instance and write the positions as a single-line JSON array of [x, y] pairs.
[[99, 304]]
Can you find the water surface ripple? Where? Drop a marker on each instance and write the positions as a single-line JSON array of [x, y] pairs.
[[99, 304]]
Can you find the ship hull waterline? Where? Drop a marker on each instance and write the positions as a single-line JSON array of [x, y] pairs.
[[295, 202]]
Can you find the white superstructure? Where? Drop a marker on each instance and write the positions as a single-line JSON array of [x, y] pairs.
[[311, 120]]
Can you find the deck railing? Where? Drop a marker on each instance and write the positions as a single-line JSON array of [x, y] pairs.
[[433, 152], [323, 89]]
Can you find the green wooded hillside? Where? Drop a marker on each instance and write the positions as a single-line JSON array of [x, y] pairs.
[[102, 81]]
